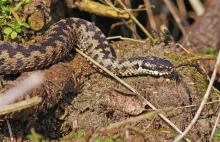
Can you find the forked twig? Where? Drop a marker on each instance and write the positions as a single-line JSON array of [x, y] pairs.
[[136, 21]]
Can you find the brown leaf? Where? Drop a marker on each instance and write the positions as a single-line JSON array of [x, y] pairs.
[[124, 102]]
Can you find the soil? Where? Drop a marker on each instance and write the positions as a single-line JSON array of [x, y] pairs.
[[77, 97]]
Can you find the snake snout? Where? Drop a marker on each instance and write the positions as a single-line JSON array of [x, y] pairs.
[[165, 70]]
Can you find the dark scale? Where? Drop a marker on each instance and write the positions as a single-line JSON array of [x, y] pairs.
[[136, 66], [75, 32]]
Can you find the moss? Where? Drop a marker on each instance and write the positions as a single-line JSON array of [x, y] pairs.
[[201, 82], [36, 20], [175, 57]]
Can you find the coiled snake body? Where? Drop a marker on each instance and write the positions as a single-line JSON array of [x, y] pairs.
[[59, 41]]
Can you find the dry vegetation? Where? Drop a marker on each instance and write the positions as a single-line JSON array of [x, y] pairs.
[[70, 101]]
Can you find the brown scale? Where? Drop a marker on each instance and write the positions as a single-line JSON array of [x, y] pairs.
[[59, 41]]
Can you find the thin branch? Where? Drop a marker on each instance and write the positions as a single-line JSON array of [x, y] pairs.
[[20, 105], [178, 138], [136, 21], [197, 6], [106, 70], [150, 15], [125, 38], [214, 128], [10, 131], [131, 26], [142, 99], [182, 8], [183, 48], [10, 96], [148, 115], [133, 30], [100, 9], [175, 14], [182, 11]]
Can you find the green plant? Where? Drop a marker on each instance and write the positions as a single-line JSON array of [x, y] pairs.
[[4, 11], [11, 27], [78, 134], [98, 139], [209, 50], [34, 136], [217, 135], [14, 28], [20, 4], [82, 133]]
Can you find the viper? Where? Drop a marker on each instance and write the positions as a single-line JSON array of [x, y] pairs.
[[60, 39]]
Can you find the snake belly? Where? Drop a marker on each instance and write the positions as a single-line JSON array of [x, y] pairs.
[[59, 41]]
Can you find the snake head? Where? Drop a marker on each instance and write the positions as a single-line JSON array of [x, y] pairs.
[[157, 66]]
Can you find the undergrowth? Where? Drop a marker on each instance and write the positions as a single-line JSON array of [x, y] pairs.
[[10, 22]]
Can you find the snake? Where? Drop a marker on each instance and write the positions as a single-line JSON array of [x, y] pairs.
[[62, 37]]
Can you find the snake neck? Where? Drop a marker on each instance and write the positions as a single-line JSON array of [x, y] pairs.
[[138, 66], [59, 41], [95, 45]]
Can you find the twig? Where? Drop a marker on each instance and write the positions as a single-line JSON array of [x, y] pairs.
[[195, 58], [131, 26], [127, 24], [106, 70], [216, 90], [10, 131], [118, 24], [197, 6], [214, 128], [182, 8], [150, 15], [100, 9], [168, 121], [142, 99], [183, 48], [182, 11], [205, 58], [125, 38], [107, 2], [140, 8], [20, 105], [133, 30], [34, 80], [148, 115], [175, 14], [178, 138], [136, 21]]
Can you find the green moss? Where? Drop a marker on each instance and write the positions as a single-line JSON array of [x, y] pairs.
[[10, 23], [202, 83], [209, 50], [175, 57]]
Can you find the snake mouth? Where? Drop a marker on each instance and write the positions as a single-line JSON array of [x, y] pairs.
[[164, 70], [157, 70], [160, 73]]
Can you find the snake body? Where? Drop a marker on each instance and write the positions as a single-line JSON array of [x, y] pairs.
[[59, 41]]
